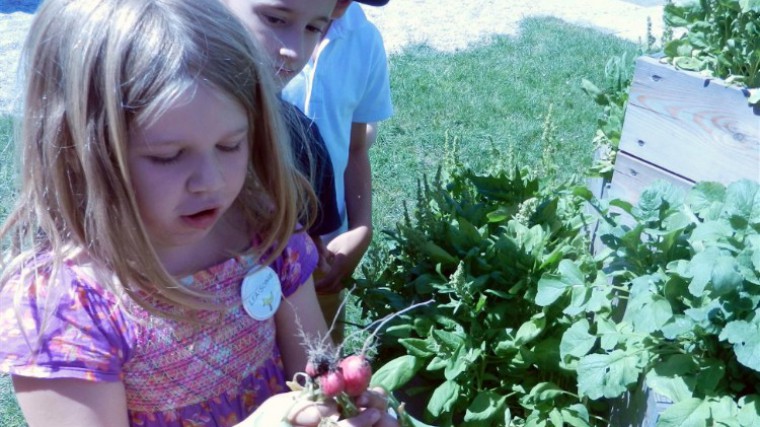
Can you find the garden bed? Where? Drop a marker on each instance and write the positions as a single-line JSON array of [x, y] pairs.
[[682, 127]]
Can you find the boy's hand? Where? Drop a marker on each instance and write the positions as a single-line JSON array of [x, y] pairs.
[[343, 254], [325, 259]]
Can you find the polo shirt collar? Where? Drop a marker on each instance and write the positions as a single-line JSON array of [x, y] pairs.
[[351, 20]]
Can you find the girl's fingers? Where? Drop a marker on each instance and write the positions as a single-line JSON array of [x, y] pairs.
[[309, 414], [306, 413], [366, 418], [373, 398]]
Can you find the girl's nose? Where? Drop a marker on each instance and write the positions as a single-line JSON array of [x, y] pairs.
[[291, 47], [207, 176]]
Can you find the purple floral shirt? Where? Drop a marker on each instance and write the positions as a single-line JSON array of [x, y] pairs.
[[214, 373]]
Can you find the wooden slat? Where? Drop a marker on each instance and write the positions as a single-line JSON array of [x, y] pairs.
[[632, 176], [692, 126]]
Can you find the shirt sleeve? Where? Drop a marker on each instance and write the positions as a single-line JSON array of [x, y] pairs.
[[375, 104], [313, 160], [328, 218], [63, 328], [297, 262]]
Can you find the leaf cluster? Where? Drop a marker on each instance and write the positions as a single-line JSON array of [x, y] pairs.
[[720, 38], [478, 244], [687, 269]]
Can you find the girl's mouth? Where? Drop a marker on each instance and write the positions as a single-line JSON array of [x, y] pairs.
[[201, 220]]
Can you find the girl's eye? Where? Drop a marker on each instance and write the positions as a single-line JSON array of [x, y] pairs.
[[273, 20], [165, 160], [230, 148]]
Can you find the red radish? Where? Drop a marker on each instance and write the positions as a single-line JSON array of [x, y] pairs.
[[332, 383], [311, 370], [357, 373], [320, 363]]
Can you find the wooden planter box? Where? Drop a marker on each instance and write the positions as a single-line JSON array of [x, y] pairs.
[[682, 127]]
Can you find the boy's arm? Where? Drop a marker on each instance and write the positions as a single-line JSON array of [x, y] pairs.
[[358, 178], [348, 248]]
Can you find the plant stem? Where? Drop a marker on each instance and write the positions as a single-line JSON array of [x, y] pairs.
[[380, 323]]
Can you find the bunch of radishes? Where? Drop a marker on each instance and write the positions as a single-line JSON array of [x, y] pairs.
[[328, 376], [351, 375], [343, 379]]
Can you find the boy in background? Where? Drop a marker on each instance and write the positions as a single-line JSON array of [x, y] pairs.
[[289, 30], [345, 89]]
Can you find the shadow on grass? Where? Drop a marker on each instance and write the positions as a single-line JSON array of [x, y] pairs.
[[10, 414], [491, 97]]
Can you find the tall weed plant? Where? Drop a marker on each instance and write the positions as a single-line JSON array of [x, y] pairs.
[[478, 244], [611, 94]]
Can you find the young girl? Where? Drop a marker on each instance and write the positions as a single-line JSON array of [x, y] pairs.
[[154, 263]]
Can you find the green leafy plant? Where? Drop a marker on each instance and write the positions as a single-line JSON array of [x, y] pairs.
[[720, 38], [485, 354], [688, 270]]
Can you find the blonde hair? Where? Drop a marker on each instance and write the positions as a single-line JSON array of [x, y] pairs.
[[97, 68]]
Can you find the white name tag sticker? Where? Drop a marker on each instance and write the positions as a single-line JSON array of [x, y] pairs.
[[261, 293]]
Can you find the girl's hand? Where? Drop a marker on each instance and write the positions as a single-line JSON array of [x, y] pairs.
[[373, 405], [301, 412], [376, 399], [289, 406], [309, 416]]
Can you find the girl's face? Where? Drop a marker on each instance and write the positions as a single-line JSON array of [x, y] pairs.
[[289, 30], [188, 167]]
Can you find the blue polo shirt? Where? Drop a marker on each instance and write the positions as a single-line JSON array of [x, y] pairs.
[[346, 81]]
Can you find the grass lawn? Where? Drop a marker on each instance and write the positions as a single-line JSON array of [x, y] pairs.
[[493, 95], [10, 416]]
